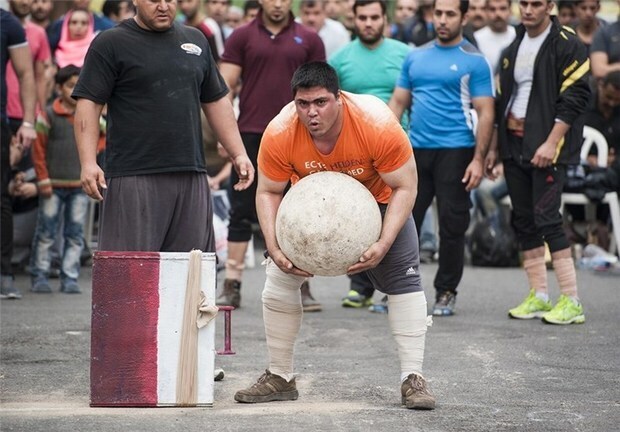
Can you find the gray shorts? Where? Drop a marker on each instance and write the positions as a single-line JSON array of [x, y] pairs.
[[399, 272], [169, 212]]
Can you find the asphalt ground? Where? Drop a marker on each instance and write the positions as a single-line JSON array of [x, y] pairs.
[[488, 372]]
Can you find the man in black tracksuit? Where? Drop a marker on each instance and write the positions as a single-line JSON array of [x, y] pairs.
[[542, 93]]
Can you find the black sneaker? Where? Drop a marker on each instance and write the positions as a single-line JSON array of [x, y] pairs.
[[231, 294], [268, 388], [416, 394], [218, 374], [308, 302], [444, 306]]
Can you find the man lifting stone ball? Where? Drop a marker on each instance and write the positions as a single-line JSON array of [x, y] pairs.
[[325, 129]]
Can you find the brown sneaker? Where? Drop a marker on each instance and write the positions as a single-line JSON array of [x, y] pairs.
[[231, 294], [269, 387], [416, 394], [308, 302]]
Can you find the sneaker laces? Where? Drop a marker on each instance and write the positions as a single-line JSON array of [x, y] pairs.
[[263, 378], [417, 384]]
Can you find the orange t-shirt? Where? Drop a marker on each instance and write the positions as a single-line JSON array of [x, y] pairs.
[[372, 141]]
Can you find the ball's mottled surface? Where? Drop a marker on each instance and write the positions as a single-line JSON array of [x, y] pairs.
[[326, 221]]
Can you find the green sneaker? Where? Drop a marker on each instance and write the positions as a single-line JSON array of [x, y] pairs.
[[565, 312], [532, 307], [356, 300]]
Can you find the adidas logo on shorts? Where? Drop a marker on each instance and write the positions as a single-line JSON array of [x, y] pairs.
[[411, 271]]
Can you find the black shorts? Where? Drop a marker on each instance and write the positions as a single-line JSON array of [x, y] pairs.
[[169, 212]]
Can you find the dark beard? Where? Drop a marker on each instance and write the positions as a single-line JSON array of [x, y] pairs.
[[370, 41]]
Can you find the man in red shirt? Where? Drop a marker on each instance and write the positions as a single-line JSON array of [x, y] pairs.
[[262, 55]]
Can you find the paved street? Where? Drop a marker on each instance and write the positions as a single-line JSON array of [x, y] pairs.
[[489, 373]]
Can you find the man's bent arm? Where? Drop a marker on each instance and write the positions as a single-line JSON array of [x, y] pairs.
[[231, 74], [87, 130], [269, 195], [22, 63], [485, 110], [404, 184], [599, 62]]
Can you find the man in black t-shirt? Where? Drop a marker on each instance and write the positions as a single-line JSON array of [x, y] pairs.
[[154, 75], [14, 47]]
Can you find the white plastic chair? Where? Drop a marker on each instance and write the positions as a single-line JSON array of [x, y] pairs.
[[593, 137]]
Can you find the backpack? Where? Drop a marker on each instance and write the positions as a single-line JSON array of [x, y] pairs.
[[493, 242]]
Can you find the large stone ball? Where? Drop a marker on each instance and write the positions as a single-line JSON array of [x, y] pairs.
[[326, 221]]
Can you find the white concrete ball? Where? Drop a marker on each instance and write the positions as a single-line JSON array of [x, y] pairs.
[[326, 221]]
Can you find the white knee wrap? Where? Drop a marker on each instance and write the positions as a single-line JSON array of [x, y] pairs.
[[408, 321], [282, 314]]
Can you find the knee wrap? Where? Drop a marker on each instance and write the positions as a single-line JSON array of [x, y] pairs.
[[408, 321], [282, 314]]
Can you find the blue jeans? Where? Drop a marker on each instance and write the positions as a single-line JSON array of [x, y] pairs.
[[75, 204], [428, 239]]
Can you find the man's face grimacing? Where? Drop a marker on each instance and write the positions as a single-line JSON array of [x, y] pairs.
[[448, 21], [318, 109], [155, 15]]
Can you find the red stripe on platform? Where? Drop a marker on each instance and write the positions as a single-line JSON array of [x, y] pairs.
[[125, 303]]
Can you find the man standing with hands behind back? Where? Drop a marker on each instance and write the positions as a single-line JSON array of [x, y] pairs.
[[155, 75]]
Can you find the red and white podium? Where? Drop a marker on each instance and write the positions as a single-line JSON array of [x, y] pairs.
[[137, 320]]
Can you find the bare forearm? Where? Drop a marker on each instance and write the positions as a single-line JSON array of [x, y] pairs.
[[600, 65], [398, 211], [221, 117], [484, 135], [28, 95], [41, 83], [396, 108], [87, 131], [267, 205], [557, 133]]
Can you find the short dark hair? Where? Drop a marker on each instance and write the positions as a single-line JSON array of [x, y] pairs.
[[507, 1], [113, 7], [249, 5], [66, 73], [612, 78], [463, 6], [565, 4], [315, 74], [310, 4], [358, 3]]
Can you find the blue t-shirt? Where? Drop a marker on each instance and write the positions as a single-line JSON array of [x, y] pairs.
[[443, 81]]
